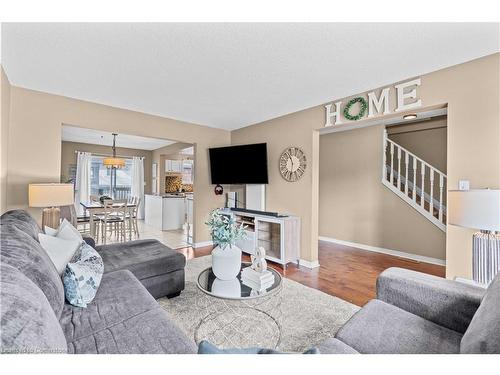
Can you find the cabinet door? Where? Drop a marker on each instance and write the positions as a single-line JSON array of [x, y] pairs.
[[268, 236]]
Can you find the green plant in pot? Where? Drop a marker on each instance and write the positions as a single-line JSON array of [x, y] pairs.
[[226, 256]]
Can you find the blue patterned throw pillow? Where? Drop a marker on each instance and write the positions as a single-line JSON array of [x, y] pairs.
[[82, 276]]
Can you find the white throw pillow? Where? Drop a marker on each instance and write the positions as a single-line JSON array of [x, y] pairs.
[[50, 231], [60, 251], [66, 231]]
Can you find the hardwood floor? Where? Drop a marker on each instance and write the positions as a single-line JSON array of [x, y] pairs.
[[345, 272]]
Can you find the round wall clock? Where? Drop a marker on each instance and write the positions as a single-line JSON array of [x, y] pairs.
[[292, 164]]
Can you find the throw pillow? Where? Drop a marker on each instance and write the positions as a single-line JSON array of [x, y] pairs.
[[60, 251], [50, 231], [82, 276], [66, 231], [204, 347]]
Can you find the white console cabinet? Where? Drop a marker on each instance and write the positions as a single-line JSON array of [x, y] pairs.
[[279, 236]]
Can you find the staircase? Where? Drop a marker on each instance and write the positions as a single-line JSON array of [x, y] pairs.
[[418, 183]]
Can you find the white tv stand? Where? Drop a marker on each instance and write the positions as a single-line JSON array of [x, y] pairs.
[[279, 236]]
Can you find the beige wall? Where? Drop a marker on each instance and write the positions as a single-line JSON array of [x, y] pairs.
[[68, 157], [356, 207], [35, 143], [473, 148], [294, 198], [4, 137], [428, 143]]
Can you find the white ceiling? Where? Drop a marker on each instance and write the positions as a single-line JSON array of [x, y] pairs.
[[97, 137], [234, 74]]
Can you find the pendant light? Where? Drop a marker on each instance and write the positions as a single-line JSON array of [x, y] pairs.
[[114, 162]]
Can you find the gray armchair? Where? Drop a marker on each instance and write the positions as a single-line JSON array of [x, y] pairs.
[[420, 313]]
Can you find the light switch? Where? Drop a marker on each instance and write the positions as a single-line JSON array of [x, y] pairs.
[[463, 185]]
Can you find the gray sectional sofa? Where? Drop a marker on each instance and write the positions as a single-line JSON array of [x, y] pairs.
[[124, 316], [419, 313]]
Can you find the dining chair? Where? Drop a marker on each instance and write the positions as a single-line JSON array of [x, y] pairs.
[[69, 213], [133, 227], [113, 219]]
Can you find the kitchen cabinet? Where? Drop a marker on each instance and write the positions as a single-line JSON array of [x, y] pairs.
[[173, 166]]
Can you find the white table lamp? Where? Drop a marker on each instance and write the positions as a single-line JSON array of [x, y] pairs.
[[479, 209], [50, 197]]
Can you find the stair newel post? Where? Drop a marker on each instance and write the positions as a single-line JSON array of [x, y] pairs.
[[414, 179], [392, 163], [406, 173], [422, 196], [431, 199], [441, 185], [399, 168]]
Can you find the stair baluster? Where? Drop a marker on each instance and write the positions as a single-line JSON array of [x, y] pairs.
[[441, 185], [406, 173], [431, 200], [392, 163], [399, 168], [414, 179], [422, 172]]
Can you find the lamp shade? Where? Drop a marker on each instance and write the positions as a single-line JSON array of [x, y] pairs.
[[50, 195], [114, 162], [478, 209]]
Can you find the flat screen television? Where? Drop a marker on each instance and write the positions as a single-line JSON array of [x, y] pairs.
[[245, 164]]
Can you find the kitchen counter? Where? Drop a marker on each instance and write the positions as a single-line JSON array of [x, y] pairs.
[[165, 212]]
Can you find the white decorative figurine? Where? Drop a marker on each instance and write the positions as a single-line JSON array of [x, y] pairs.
[[257, 276], [259, 263]]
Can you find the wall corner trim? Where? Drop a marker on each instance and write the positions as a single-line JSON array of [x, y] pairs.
[[308, 264], [396, 253]]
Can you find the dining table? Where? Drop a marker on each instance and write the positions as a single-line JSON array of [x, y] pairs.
[[96, 207]]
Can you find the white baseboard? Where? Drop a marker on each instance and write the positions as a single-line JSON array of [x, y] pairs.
[[202, 244], [382, 250], [308, 264]]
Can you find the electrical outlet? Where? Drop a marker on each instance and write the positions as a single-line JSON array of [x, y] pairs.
[[463, 185]]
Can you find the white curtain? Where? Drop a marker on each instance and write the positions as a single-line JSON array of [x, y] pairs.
[[137, 189], [82, 184]]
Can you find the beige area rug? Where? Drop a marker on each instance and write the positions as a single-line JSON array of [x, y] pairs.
[[307, 316]]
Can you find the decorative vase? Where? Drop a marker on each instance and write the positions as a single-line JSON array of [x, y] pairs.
[[226, 263], [227, 288]]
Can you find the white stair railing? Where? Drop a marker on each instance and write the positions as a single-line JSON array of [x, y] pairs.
[[415, 181]]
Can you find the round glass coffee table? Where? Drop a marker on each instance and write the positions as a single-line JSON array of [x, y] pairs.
[[237, 316]]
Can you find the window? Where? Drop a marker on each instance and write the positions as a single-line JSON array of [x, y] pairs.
[[100, 179]]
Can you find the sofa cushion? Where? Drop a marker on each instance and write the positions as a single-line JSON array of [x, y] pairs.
[[29, 324], [20, 249], [206, 347], [150, 332], [483, 334], [335, 346], [144, 258], [23, 221], [119, 297], [123, 318], [382, 328]]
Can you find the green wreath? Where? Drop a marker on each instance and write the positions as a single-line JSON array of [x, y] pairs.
[[362, 109]]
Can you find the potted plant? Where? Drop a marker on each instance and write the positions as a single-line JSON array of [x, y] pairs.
[[226, 256]]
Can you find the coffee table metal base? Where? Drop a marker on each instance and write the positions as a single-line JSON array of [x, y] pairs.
[[232, 323]]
